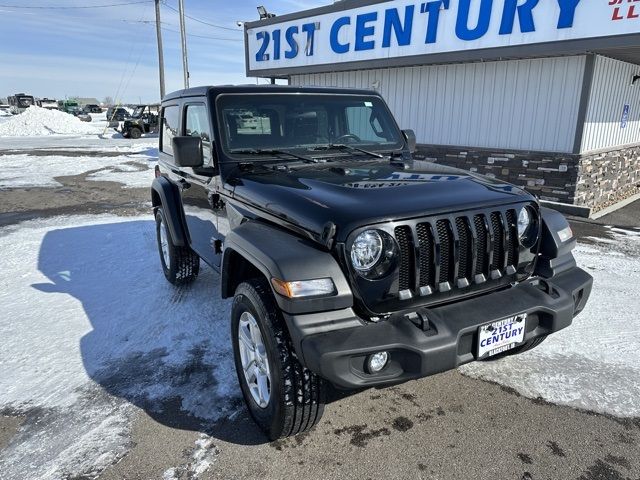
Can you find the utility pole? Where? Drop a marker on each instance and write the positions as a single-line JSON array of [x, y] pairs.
[[183, 35], [160, 54]]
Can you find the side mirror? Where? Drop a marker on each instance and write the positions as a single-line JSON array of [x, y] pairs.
[[410, 137], [187, 151]]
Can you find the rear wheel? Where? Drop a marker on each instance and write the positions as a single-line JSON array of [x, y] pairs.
[[283, 397], [180, 265], [135, 133]]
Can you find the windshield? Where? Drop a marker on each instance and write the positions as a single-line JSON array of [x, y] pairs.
[[138, 112], [305, 122]]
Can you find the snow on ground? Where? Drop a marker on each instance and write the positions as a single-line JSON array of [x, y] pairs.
[[23, 170], [92, 330], [23, 166], [593, 364], [112, 140], [37, 121], [131, 174]]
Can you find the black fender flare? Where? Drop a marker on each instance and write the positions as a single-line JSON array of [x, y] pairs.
[[555, 254], [166, 195], [277, 253]]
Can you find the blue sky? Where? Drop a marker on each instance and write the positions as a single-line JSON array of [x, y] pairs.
[[101, 52]]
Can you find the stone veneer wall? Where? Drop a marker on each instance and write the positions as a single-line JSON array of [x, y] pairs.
[[605, 178], [592, 180]]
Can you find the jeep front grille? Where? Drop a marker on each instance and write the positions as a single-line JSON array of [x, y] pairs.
[[452, 253]]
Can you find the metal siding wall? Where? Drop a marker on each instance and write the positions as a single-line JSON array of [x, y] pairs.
[[516, 104], [610, 90]]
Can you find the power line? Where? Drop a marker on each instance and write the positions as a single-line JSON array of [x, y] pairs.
[[74, 7], [198, 20], [203, 36]]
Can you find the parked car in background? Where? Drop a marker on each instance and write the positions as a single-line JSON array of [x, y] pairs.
[[47, 103], [69, 106], [143, 120], [19, 102], [117, 114], [92, 108]]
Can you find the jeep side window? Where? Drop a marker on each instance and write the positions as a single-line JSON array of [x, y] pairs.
[[170, 121], [197, 125]]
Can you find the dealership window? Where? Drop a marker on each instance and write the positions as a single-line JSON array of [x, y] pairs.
[[170, 121]]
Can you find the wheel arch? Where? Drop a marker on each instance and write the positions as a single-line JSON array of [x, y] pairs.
[[237, 269], [259, 248], [164, 194]]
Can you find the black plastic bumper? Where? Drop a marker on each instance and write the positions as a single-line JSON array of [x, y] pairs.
[[336, 344]]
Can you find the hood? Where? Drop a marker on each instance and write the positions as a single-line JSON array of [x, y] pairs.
[[359, 193]]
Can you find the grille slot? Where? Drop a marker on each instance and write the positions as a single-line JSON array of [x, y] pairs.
[[453, 253], [482, 256], [403, 234], [465, 262], [512, 238], [497, 233], [446, 251], [425, 245]]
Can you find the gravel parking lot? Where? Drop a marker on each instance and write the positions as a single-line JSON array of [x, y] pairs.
[[108, 372]]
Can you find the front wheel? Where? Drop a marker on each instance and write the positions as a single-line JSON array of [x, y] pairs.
[[135, 133], [283, 397], [180, 265]]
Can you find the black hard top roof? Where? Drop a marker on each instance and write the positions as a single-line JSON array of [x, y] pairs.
[[216, 90]]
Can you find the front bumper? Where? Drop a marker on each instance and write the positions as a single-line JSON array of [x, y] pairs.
[[335, 345]]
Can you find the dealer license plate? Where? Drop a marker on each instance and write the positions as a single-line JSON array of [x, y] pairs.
[[502, 335]]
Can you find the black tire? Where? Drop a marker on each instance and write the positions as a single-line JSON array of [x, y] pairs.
[[135, 133], [183, 264], [297, 395], [518, 350]]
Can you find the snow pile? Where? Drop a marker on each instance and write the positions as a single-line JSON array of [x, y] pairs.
[[593, 364], [37, 121]]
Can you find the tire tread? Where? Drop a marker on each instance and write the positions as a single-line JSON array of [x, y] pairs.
[[303, 400]]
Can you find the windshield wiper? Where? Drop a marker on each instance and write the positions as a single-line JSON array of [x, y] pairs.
[[271, 151], [343, 146]]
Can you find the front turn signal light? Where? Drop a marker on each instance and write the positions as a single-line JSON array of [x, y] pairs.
[[319, 287]]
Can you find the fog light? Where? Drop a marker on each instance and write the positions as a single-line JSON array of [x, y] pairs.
[[377, 361]]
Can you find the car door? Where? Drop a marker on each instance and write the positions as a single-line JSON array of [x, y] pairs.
[[203, 209]]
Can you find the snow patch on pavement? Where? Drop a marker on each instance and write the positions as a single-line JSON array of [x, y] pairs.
[[37, 121], [593, 364], [132, 176], [92, 332], [203, 457], [23, 170]]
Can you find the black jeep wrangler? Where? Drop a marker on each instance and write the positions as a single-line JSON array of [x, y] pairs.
[[349, 262]]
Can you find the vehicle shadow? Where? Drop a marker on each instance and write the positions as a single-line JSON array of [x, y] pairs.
[[166, 350]]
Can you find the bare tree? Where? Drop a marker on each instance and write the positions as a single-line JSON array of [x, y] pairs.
[[107, 101]]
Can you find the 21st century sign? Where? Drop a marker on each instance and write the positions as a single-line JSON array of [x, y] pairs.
[[403, 28]]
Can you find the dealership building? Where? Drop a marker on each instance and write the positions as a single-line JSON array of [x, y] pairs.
[[542, 93]]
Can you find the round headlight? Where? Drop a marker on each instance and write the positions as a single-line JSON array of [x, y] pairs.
[[527, 229], [524, 223], [366, 250]]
